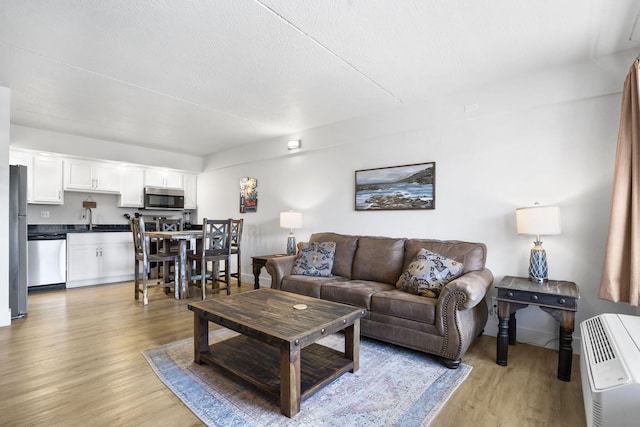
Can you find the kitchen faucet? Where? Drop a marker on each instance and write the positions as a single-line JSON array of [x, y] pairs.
[[84, 215]]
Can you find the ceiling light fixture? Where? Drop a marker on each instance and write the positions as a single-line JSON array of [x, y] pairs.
[[293, 145]]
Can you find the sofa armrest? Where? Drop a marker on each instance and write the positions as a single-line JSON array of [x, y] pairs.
[[278, 268], [461, 312], [474, 285]]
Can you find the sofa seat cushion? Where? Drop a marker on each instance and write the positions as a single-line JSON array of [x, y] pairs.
[[345, 250], [354, 292], [402, 304], [307, 285], [378, 259]]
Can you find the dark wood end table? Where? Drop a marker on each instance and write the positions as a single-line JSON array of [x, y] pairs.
[[277, 349], [258, 262], [558, 298]]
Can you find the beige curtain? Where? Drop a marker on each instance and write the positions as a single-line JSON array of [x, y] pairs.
[[620, 279]]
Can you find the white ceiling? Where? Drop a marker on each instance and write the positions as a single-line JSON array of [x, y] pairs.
[[204, 76]]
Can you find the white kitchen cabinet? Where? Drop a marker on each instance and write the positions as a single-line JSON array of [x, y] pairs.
[[99, 257], [46, 180], [131, 187], [24, 158], [83, 175], [21, 158], [163, 178], [190, 191]]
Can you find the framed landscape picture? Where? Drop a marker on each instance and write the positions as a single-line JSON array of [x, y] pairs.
[[396, 188]]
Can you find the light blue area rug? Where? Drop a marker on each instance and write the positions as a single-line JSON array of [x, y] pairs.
[[393, 387]]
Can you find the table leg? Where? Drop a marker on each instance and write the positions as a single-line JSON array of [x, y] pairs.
[[290, 378], [565, 353], [513, 326], [200, 336], [352, 344], [503, 333], [256, 274], [183, 269]]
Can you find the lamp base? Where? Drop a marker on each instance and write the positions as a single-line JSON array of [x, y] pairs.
[[291, 245], [538, 269]]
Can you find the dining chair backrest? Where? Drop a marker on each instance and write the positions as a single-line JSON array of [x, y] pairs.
[[216, 236], [236, 231], [166, 224], [139, 239]]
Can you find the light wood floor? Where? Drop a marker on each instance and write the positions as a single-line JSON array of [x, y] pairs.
[[75, 361]]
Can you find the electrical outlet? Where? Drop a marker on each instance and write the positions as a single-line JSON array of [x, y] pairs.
[[44, 214], [493, 310]]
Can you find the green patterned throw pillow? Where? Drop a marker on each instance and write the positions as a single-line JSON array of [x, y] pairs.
[[314, 259], [428, 273]]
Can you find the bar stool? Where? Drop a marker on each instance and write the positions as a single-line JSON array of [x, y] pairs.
[[142, 255], [215, 247], [236, 237]]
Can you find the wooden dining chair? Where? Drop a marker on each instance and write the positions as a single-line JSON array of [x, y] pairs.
[[170, 224], [236, 237], [214, 248], [143, 255], [169, 246]]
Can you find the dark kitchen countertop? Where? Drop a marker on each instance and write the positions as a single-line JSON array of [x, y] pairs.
[[43, 229]]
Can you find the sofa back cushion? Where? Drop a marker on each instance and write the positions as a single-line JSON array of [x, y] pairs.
[[472, 255], [345, 250], [379, 259]]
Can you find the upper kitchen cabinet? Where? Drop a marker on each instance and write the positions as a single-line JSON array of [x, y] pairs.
[[46, 180], [131, 187], [190, 191], [24, 159], [163, 178], [81, 175]]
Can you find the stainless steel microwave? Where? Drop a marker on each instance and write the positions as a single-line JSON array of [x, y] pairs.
[[163, 198]]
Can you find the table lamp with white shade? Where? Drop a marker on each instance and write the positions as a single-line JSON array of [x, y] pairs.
[[536, 221], [291, 220]]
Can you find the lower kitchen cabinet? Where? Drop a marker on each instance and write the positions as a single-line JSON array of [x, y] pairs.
[[99, 257]]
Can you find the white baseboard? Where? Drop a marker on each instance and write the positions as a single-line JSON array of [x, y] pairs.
[[100, 281], [546, 339], [265, 279], [5, 318]]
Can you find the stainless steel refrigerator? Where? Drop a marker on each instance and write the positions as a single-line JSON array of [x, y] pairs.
[[18, 240]]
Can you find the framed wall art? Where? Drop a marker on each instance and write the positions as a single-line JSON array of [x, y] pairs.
[[248, 195], [396, 188]]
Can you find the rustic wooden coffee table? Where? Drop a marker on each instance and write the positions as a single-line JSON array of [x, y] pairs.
[[269, 352]]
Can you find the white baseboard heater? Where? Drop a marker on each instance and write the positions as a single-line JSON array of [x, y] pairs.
[[610, 370]]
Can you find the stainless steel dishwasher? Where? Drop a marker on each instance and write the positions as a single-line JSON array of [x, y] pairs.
[[47, 261]]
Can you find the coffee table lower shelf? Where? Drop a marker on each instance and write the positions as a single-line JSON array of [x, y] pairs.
[[259, 364]]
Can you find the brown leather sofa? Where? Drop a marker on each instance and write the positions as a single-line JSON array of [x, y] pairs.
[[364, 274]]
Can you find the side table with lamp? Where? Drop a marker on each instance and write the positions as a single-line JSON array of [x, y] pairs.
[[558, 298], [291, 220]]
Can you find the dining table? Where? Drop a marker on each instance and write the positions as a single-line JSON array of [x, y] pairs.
[[182, 237]]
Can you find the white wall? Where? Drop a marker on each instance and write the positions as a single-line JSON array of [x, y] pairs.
[[5, 310], [551, 140]]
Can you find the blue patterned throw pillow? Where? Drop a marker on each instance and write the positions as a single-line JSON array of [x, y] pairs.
[[428, 273], [314, 259]]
